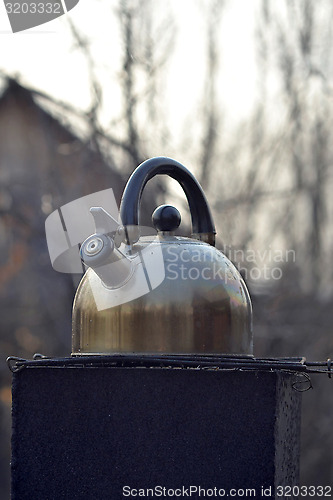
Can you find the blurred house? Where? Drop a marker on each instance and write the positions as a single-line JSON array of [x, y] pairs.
[[42, 166]]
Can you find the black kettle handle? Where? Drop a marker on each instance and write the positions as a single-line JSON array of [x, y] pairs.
[[202, 222]]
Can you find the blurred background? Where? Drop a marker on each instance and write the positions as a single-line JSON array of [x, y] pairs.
[[240, 92]]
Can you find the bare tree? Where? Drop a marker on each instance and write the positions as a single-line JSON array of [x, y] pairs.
[[211, 119]]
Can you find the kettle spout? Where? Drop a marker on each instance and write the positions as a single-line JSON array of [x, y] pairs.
[[101, 252]]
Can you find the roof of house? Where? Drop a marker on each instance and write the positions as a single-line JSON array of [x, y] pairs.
[[38, 152]]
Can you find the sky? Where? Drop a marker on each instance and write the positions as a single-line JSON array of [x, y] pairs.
[[45, 59]]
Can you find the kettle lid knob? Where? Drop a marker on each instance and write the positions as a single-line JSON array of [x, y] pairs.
[[166, 218]]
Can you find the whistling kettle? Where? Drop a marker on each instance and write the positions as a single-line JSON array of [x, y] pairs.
[[162, 293]]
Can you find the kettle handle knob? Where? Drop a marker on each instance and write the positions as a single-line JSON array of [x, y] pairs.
[[202, 222]]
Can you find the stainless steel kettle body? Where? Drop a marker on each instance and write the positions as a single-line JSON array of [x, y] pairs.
[[159, 294]]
